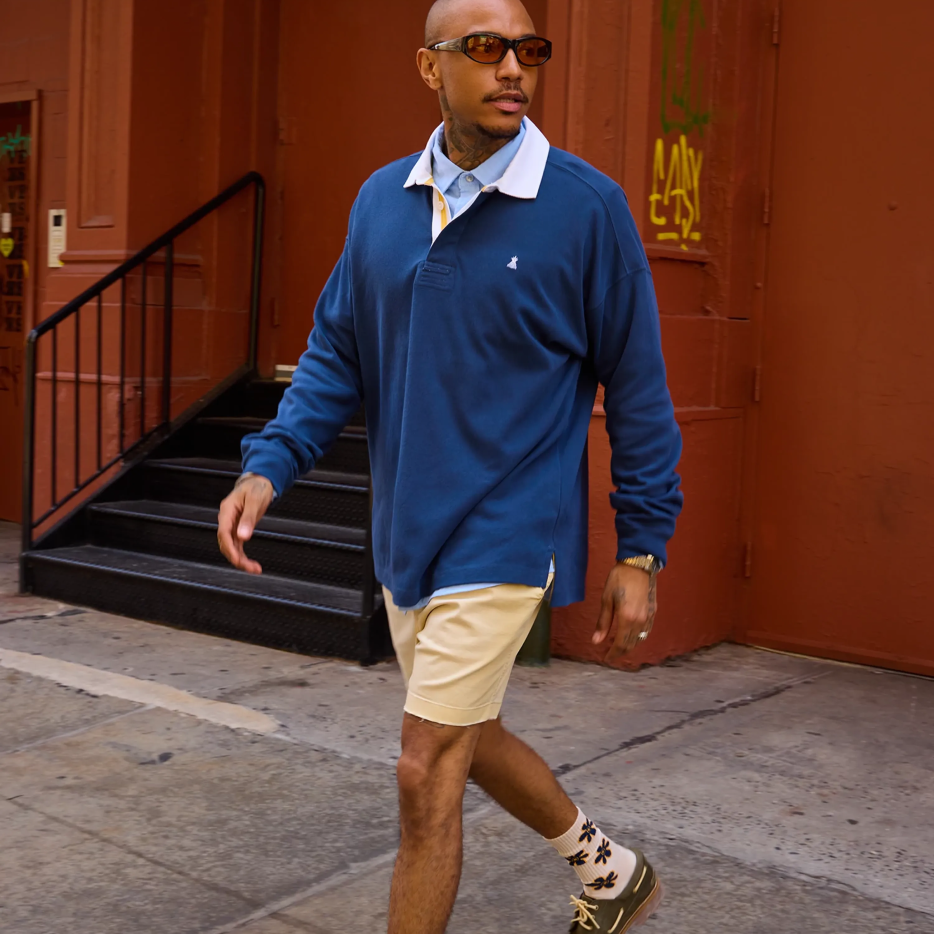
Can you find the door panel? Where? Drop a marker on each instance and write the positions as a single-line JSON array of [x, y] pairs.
[[16, 199], [845, 480]]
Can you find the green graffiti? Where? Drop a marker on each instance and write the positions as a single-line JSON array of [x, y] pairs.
[[684, 94], [15, 142]]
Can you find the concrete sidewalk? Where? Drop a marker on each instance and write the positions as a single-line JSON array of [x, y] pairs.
[[774, 793]]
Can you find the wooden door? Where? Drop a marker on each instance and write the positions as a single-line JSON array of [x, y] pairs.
[[16, 199], [844, 548]]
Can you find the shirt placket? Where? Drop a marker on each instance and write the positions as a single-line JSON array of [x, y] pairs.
[[441, 211]]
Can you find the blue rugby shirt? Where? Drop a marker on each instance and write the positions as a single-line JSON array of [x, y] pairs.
[[476, 348]]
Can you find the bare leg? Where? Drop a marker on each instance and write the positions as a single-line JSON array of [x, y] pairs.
[[519, 780], [432, 774]]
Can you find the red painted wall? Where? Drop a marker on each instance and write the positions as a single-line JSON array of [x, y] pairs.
[[33, 64], [844, 501]]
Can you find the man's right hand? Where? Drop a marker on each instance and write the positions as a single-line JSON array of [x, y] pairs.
[[237, 518]]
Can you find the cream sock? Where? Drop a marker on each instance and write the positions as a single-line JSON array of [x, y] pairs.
[[603, 866]]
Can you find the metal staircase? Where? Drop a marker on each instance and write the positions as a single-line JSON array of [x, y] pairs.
[[145, 544]]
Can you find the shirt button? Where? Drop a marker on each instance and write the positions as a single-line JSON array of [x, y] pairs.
[[468, 178]]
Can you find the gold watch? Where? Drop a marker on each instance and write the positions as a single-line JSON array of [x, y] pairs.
[[645, 563]]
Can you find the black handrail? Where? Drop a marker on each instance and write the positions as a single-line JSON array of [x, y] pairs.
[[131, 452]]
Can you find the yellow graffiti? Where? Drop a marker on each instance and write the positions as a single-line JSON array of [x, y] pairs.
[[677, 187]]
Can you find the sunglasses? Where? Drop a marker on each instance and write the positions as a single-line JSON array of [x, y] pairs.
[[488, 49]]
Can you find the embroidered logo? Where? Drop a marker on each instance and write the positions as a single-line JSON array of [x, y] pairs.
[[512, 264]]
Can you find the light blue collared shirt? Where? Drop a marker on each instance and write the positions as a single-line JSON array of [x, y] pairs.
[[459, 186]]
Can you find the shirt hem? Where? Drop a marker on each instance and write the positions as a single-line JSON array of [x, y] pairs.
[[523, 574]]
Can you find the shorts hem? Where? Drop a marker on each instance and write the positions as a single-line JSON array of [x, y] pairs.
[[451, 716]]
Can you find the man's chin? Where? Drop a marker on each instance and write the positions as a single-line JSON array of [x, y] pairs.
[[508, 128]]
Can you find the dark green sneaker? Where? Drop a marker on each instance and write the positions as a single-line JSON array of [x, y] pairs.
[[632, 907]]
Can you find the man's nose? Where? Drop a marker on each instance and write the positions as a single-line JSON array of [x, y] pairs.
[[509, 67]]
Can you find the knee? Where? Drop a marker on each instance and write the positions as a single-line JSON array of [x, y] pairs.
[[431, 774], [423, 806], [413, 774]]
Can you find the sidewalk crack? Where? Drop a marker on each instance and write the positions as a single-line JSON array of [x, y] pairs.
[[71, 611], [745, 701], [76, 732], [94, 835]]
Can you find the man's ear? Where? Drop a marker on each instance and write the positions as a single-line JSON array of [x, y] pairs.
[[427, 62]]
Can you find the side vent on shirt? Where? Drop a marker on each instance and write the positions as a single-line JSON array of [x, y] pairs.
[[436, 276]]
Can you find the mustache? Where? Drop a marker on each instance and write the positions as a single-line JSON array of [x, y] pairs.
[[511, 88]]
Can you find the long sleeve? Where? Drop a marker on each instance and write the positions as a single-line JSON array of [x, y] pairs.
[[326, 391], [644, 436]]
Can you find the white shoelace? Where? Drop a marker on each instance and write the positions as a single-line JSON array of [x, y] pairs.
[[585, 916]]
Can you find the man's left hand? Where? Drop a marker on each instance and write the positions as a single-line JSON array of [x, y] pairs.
[[629, 601]]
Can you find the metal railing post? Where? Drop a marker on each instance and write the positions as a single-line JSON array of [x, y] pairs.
[[29, 454], [122, 400], [100, 380], [55, 416], [142, 357], [259, 213], [167, 334], [77, 398]]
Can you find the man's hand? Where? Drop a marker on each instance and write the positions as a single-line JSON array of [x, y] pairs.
[[629, 600], [238, 516]]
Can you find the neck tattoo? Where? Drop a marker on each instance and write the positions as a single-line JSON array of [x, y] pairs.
[[467, 146]]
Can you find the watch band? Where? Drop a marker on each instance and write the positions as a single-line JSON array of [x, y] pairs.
[[644, 562]]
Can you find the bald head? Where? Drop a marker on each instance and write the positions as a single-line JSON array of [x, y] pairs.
[[483, 102], [448, 19]]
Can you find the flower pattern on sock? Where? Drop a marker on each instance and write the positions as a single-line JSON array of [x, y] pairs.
[[603, 866], [588, 831], [578, 858], [603, 852], [603, 882]]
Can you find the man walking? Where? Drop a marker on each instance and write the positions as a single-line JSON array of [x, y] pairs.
[[486, 287]]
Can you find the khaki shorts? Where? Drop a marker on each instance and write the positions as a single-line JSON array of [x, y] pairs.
[[456, 653]]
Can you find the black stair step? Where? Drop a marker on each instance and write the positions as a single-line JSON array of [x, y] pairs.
[[261, 398], [287, 547], [249, 423], [326, 497], [297, 615], [220, 436]]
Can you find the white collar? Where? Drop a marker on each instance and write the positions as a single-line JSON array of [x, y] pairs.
[[521, 179]]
